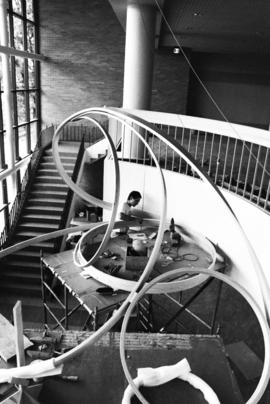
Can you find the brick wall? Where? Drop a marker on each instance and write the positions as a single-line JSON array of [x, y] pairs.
[[85, 46], [85, 43]]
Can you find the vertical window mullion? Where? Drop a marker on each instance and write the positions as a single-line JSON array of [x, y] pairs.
[[26, 82], [37, 67], [2, 144], [13, 80]]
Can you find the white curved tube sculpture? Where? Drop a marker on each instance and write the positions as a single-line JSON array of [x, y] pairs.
[[139, 288], [150, 377], [265, 376]]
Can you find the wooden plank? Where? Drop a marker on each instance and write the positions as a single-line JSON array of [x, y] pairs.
[[19, 343], [7, 339], [245, 359]]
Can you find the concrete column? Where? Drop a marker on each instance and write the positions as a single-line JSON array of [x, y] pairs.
[[6, 96], [138, 70]]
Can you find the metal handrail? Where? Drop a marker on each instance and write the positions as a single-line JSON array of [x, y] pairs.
[[17, 205], [234, 164], [70, 193]]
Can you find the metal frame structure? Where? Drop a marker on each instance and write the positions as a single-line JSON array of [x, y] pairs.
[[48, 293]]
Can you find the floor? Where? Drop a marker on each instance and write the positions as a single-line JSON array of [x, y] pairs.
[[235, 323]]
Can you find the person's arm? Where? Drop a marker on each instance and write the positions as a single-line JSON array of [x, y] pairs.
[[127, 217], [125, 214], [130, 218]]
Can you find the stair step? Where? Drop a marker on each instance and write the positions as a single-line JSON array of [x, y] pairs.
[[26, 254], [21, 275], [43, 218], [52, 166], [46, 179], [28, 234], [35, 225], [17, 263], [43, 193], [50, 203], [43, 210], [29, 289], [40, 186], [52, 172], [66, 159], [45, 245], [70, 153]]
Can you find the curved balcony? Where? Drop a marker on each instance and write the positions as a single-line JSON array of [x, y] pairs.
[[234, 157]]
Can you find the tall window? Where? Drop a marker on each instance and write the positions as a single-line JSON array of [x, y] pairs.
[[25, 84], [23, 35]]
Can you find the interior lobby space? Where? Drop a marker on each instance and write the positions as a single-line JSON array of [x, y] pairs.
[[134, 201]]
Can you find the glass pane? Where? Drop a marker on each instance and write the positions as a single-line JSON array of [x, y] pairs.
[[22, 141], [22, 172], [18, 33], [8, 29], [34, 135], [29, 10], [21, 107], [30, 38], [2, 217], [31, 73], [32, 104], [19, 69], [7, 149], [17, 6], [2, 146]]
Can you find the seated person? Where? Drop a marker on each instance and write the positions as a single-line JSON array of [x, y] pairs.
[[126, 211], [133, 200]]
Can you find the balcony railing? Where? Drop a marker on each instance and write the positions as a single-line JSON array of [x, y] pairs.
[[237, 158]]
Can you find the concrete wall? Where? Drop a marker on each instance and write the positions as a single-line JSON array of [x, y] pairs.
[[170, 83], [85, 43], [240, 85], [195, 205]]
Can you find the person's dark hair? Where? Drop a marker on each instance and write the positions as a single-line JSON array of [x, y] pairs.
[[134, 195]]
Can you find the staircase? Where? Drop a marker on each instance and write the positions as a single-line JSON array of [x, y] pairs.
[[41, 214]]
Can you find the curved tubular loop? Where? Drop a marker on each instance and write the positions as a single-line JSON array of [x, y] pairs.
[[158, 242], [263, 282], [171, 286], [265, 376], [118, 313], [82, 194], [150, 377], [108, 279], [138, 289], [82, 262]]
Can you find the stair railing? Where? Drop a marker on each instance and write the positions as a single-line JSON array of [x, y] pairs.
[[17, 205], [64, 218]]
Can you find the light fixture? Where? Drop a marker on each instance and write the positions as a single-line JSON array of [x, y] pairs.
[[176, 50]]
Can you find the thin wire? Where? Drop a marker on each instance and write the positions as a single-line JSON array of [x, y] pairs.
[[204, 86]]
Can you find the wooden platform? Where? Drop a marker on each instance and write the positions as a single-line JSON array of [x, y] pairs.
[[84, 290], [101, 378]]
